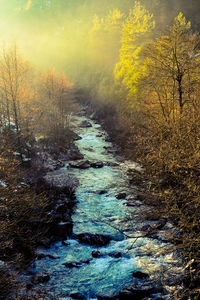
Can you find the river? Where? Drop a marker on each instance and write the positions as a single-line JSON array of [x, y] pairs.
[[102, 213]]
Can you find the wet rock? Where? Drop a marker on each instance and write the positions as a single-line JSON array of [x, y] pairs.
[[140, 275], [101, 192], [72, 264], [112, 164], [121, 196], [85, 124], [99, 135], [132, 202], [96, 253], [41, 278], [81, 165], [93, 239], [98, 164], [76, 296], [115, 254], [135, 293]]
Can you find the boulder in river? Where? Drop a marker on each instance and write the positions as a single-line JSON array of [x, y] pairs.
[[85, 124], [93, 239], [121, 196], [98, 164], [96, 253], [76, 264], [85, 164]]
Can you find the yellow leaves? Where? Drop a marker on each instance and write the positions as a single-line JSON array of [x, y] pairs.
[[180, 26], [28, 5], [135, 34]]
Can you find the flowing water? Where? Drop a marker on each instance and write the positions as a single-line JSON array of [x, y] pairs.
[[104, 276]]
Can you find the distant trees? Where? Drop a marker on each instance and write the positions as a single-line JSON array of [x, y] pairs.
[[53, 104], [32, 103], [173, 68]]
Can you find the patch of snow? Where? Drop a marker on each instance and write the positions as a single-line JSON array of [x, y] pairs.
[[3, 184], [16, 153], [28, 145]]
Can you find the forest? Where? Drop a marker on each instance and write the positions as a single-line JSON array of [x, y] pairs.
[[133, 67]]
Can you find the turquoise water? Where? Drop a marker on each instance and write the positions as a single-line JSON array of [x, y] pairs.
[[103, 214]]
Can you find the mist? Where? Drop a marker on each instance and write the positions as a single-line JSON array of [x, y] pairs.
[[56, 34]]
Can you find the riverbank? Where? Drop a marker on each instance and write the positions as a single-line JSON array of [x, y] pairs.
[[37, 203]]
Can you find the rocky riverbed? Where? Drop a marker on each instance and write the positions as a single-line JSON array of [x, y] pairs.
[[104, 249]]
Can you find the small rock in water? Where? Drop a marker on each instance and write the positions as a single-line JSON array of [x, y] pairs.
[[112, 164], [52, 256], [98, 164], [85, 124], [101, 192], [81, 165], [93, 239], [76, 296], [121, 196], [134, 293], [140, 275], [115, 254], [72, 264], [96, 253]]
